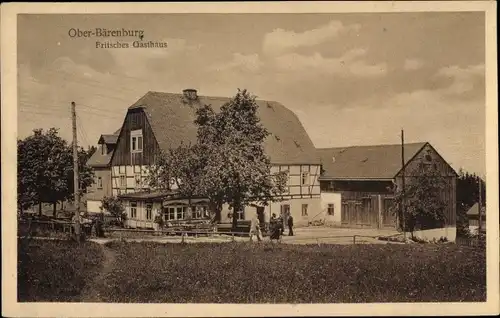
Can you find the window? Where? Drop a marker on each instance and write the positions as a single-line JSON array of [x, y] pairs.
[[103, 149], [99, 182], [170, 214], [138, 180], [181, 212], [240, 215], [149, 211], [285, 209], [305, 178], [133, 210], [199, 212], [123, 181], [304, 209], [136, 140], [331, 209]]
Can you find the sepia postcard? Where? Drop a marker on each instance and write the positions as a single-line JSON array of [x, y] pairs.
[[249, 159]]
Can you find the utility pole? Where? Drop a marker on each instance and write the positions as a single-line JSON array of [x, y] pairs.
[[76, 174], [480, 205], [403, 212]]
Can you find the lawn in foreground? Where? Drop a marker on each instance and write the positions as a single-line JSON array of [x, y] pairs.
[[55, 271], [263, 273]]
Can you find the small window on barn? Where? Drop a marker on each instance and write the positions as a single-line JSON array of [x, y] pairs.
[[331, 209], [99, 182]]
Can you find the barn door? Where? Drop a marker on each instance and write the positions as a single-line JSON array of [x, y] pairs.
[[345, 214], [388, 215]]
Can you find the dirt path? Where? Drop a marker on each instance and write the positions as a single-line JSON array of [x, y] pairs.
[[92, 290]]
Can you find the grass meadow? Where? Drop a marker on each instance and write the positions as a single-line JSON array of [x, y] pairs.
[[242, 272]]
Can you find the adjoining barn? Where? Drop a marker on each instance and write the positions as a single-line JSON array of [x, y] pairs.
[[364, 179], [165, 120]]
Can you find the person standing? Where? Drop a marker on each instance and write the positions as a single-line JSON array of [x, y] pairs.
[[275, 228], [255, 228], [290, 225]]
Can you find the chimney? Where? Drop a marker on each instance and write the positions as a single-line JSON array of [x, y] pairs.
[[190, 94]]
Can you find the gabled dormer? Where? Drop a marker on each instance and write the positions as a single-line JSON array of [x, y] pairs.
[[107, 144], [105, 147]]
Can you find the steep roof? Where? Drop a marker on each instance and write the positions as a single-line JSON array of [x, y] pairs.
[[366, 162], [474, 210], [108, 139], [98, 159], [172, 120]]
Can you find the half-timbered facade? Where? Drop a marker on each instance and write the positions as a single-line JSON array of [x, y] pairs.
[[159, 121], [366, 178]]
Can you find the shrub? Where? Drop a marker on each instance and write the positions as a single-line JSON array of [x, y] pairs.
[[159, 220], [115, 207]]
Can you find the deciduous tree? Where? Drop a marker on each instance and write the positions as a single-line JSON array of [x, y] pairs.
[[179, 168], [467, 196], [114, 206], [236, 170], [45, 169], [423, 204]]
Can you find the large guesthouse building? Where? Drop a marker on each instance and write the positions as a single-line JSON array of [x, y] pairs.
[[160, 121]]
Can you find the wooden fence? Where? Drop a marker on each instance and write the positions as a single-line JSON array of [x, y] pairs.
[[473, 242], [39, 227]]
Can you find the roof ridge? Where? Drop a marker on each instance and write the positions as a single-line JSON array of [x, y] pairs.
[[215, 97], [376, 145], [161, 108]]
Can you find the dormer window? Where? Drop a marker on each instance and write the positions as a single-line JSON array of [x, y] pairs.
[[136, 141]]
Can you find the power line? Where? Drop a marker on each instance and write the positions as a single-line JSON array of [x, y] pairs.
[[93, 83], [53, 110], [45, 102], [83, 132]]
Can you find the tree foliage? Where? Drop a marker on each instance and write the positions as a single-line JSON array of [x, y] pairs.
[[467, 196], [89, 152], [227, 164], [178, 168], [423, 204], [45, 169], [236, 169], [114, 206]]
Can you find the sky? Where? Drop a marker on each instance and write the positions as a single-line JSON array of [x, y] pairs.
[[351, 78]]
